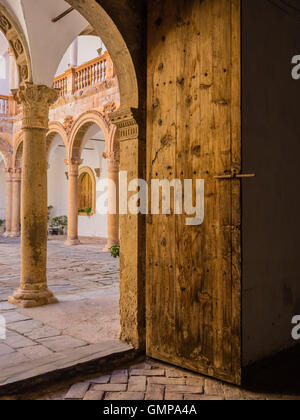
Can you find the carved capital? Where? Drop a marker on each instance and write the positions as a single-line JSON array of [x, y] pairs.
[[126, 122], [73, 165], [8, 174], [113, 159], [17, 174], [35, 101]]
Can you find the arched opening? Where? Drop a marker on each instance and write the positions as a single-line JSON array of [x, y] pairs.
[[92, 143], [86, 192]]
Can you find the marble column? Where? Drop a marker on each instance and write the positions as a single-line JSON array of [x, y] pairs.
[[8, 201], [16, 203], [113, 200], [73, 166], [33, 290]]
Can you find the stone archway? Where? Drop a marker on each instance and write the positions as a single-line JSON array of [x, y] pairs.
[[6, 149], [18, 151], [18, 44], [80, 128], [56, 128], [95, 13]]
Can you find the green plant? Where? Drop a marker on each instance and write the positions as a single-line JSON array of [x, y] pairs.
[[115, 251], [50, 208], [1, 222], [88, 211]]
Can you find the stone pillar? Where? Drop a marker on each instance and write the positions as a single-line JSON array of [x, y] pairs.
[[113, 200], [33, 290], [16, 203], [131, 138], [8, 201], [73, 166]]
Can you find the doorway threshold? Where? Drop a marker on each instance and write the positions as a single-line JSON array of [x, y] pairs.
[[64, 365]]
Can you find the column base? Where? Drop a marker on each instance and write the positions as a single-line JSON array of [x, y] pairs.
[[72, 242], [14, 234], [32, 298], [6, 234]]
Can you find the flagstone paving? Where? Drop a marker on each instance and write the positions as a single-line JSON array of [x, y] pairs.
[[85, 280]]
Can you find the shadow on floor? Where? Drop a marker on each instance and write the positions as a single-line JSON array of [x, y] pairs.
[[277, 375]]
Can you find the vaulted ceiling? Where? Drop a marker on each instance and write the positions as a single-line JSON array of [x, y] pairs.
[[47, 41]]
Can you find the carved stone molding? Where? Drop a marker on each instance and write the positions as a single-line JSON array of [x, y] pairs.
[[126, 123], [17, 44], [35, 101], [68, 123]]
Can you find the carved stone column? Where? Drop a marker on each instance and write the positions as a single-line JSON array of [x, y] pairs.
[[73, 166], [113, 200], [131, 139], [16, 203], [8, 201], [35, 101]]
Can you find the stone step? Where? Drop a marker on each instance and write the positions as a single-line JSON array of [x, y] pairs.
[[92, 358]]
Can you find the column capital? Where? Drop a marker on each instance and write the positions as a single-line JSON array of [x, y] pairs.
[[17, 174], [73, 165], [35, 101], [8, 173], [127, 123], [113, 159]]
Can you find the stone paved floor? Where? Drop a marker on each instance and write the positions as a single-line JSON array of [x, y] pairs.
[[150, 381], [84, 279]]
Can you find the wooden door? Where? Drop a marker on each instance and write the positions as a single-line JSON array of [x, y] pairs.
[[193, 284]]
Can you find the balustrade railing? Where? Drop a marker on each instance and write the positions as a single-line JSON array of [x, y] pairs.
[[87, 75], [75, 79], [8, 106]]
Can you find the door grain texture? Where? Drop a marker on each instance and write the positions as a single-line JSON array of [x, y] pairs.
[[193, 281]]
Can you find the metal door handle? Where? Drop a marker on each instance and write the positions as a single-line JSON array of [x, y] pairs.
[[234, 175]]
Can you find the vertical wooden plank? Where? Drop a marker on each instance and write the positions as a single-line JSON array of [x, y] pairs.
[[161, 142], [236, 147]]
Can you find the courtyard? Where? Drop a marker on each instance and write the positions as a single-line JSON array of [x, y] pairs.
[[85, 279]]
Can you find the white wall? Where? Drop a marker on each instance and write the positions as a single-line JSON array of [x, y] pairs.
[[2, 189], [87, 50], [58, 183]]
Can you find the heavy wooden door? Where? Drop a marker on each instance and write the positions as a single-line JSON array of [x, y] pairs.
[[193, 132]]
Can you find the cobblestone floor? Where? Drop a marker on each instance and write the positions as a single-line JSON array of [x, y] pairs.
[[150, 381], [84, 279]]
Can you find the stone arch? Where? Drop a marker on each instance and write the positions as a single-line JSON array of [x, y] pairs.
[[18, 44], [6, 150], [55, 128], [80, 128], [107, 30], [18, 151]]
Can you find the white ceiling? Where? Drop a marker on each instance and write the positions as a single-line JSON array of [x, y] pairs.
[[47, 41]]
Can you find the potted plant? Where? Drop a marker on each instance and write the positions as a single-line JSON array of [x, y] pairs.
[[58, 225], [115, 251], [1, 226]]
